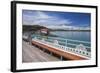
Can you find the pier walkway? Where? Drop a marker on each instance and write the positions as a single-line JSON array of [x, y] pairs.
[[31, 53]]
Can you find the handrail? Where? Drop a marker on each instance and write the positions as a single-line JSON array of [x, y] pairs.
[[66, 41], [70, 40], [73, 50]]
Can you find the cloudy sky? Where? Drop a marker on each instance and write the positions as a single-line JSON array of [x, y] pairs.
[[51, 18]]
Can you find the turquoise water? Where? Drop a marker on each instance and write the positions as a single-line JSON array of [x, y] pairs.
[[74, 35], [70, 36]]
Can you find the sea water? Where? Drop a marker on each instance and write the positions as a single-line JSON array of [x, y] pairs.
[[73, 35]]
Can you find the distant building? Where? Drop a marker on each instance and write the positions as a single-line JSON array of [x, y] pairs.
[[44, 31]]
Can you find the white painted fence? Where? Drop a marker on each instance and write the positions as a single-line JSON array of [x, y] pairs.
[[77, 50]]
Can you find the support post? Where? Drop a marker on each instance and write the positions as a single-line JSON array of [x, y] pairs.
[[51, 53], [61, 57]]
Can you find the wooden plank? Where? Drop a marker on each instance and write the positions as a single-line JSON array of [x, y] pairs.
[[31, 53]]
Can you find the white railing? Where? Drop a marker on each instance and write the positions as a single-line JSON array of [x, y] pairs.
[[82, 52]]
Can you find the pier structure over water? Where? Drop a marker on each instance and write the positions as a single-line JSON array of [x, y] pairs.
[[65, 48]]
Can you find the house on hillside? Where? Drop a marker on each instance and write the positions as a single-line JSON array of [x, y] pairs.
[[44, 31]]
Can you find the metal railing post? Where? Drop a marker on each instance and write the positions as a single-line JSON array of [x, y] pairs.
[[61, 57]]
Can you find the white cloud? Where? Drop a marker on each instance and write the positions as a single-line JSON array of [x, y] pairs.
[[41, 18], [41, 15]]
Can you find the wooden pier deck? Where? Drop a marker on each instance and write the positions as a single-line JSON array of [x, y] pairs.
[[31, 53], [61, 53]]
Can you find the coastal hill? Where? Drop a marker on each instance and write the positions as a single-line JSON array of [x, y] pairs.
[[32, 27], [54, 28]]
